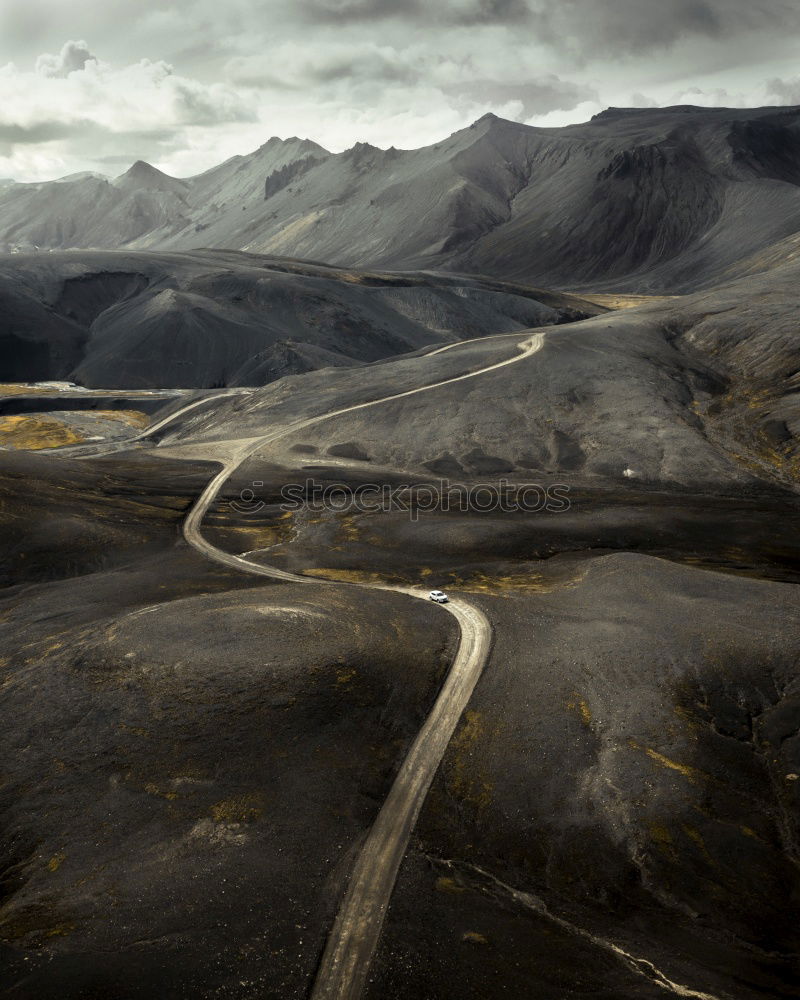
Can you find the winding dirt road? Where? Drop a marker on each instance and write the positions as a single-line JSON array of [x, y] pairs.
[[357, 927], [354, 937], [194, 405]]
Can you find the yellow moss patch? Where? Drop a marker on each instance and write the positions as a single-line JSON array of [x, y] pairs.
[[483, 583], [579, 705], [685, 716], [60, 930], [56, 861], [246, 808], [348, 529], [21, 389], [133, 418], [690, 773], [473, 937], [471, 730], [611, 301], [350, 277], [152, 789], [741, 411], [346, 575], [445, 884], [38, 920], [663, 840], [31, 433], [697, 838], [467, 782], [136, 730], [254, 538], [344, 676]]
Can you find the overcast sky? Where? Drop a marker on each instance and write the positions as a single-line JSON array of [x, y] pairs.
[[97, 84]]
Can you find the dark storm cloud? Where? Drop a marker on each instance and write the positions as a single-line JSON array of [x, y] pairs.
[[364, 68], [448, 12], [12, 135], [631, 26], [301, 68], [358, 10], [198, 105], [537, 96], [44, 131], [490, 12], [83, 129], [589, 27]]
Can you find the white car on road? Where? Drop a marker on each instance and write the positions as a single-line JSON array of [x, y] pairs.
[[438, 596]]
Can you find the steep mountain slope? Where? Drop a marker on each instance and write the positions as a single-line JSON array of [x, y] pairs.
[[171, 320], [92, 211], [640, 200], [142, 207]]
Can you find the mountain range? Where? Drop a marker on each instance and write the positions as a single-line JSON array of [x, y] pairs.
[[636, 199]]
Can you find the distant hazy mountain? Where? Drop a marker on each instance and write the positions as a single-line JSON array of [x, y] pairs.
[[143, 207], [226, 318], [643, 199]]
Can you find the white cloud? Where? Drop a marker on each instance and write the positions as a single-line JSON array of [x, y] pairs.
[[558, 118], [75, 111], [716, 97], [72, 57], [784, 91], [640, 100]]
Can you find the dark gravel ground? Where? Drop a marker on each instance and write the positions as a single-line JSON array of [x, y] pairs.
[[189, 757], [629, 759]]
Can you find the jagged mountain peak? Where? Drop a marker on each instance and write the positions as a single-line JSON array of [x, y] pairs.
[[493, 121], [360, 148], [81, 175], [492, 126], [141, 168], [144, 176], [292, 142]]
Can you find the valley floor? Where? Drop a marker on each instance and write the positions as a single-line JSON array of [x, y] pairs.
[[243, 758]]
